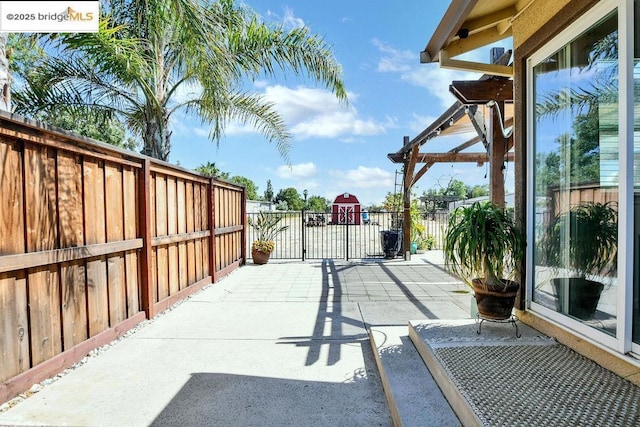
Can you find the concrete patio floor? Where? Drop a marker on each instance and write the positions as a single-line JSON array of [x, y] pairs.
[[280, 344]]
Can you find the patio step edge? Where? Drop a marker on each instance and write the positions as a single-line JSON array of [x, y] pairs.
[[413, 396]]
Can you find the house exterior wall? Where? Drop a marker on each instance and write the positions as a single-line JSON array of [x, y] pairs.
[[534, 17]]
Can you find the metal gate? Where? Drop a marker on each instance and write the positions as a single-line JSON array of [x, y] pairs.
[[313, 235]]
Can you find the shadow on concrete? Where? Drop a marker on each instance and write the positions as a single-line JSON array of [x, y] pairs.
[[329, 328], [333, 327], [222, 399], [410, 296]]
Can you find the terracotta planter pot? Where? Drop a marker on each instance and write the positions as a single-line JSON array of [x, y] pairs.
[[495, 303], [260, 257]]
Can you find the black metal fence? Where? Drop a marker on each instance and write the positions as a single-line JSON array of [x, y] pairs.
[[317, 235]]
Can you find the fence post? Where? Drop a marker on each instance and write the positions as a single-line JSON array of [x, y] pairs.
[[243, 210], [145, 232], [211, 217]]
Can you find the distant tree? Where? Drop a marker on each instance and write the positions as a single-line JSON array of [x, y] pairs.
[[250, 186], [318, 204], [211, 170], [455, 188], [268, 193], [547, 171], [282, 206], [105, 130], [477, 191], [392, 202], [291, 197]]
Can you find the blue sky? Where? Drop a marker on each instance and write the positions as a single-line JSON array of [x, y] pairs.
[[338, 149]]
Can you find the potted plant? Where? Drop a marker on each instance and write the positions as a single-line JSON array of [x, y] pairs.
[[484, 247], [581, 245], [267, 227]]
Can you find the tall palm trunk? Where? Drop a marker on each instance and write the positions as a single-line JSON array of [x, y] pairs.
[[5, 77], [157, 137]]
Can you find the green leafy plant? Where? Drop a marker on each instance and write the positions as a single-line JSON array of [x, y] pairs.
[[267, 227], [417, 230], [483, 241], [266, 246], [583, 239], [426, 242]]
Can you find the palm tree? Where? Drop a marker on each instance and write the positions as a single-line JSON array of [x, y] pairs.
[[153, 58]]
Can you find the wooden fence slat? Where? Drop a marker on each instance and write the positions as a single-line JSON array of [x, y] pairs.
[[40, 199], [114, 200], [191, 246], [14, 325], [197, 201], [117, 294], [44, 313], [11, 193], [114, 203], [182, 230], [74, 303], [172, 228], [162, 254], [72, 274], [131, 195], [43, 288], [70, 200], [98, 310]]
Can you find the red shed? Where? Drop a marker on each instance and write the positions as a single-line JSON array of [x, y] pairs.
[[346, 210]]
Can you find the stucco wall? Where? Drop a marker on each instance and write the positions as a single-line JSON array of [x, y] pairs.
[[533, 17]]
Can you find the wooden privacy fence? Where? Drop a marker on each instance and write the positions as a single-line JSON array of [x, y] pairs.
[[93, 240]]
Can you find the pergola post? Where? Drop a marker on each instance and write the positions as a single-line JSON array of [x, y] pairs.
[[408, 169], [498, 147]]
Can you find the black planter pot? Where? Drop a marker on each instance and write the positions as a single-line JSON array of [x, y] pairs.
[[495, 303], [583, 297]]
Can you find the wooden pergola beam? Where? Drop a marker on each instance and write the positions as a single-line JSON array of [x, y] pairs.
[[448, 157], [482, 91]]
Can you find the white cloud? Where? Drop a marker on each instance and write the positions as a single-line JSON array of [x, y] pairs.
[[429, 76], [393, 60], [312, 112], [201, 132], [290, 20], [299, 171], [364, 177]]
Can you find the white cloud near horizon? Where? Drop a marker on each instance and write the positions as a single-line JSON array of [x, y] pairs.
[[364, 177], [299, 171]]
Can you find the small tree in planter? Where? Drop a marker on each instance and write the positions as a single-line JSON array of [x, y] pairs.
[[267, 227], [484, 248]]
